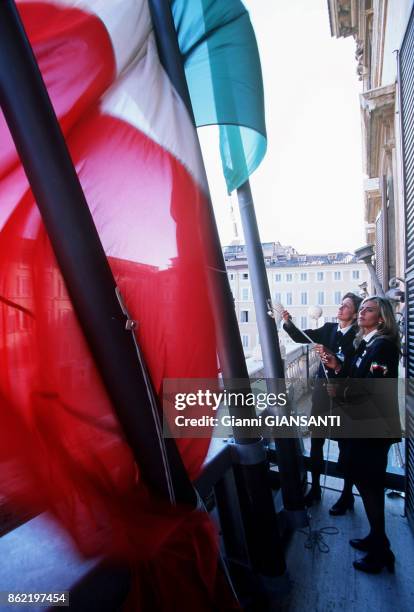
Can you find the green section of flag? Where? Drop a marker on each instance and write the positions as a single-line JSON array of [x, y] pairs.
[[224, 77]]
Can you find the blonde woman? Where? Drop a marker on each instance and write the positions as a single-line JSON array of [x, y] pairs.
[[364, 460]]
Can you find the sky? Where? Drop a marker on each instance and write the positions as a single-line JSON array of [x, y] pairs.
[[308, 191]]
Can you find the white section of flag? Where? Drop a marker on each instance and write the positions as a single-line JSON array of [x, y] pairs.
[[143, 94], [145, 98], [128, 23]]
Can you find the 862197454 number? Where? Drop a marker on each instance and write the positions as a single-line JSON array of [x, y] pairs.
[[58, 598]]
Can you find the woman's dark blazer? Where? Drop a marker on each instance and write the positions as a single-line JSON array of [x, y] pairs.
[[370, 393]]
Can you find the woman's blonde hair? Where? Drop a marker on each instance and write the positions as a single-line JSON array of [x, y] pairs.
[[388, 328]]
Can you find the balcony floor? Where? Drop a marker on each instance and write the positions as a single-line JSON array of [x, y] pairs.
[[327, 582]]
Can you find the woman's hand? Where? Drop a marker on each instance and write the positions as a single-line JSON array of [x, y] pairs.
[[327, 357], [286, 316]]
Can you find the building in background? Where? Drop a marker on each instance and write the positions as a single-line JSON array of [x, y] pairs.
[[384, 34], [295, 280]]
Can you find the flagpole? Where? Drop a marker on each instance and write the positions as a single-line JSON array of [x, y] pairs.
[[258, 512], [269, 339], [289, 456], [82, 260]]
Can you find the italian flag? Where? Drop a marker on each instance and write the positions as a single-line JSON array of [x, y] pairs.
[[135, 151]]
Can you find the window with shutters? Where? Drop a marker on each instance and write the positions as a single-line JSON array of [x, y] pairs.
[[380, 242], [406, 84], [385, 250]]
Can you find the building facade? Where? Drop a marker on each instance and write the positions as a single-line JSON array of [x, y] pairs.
[[378, 27], [296, 281], [384, 34]]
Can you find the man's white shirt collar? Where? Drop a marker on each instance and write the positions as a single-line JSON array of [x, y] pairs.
[[343, 330]]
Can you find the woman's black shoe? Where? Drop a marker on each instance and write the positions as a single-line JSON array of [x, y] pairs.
[[374, 563], [362, 544], [343, 504], [314, 495]]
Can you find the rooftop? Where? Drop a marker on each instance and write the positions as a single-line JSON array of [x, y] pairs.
[[276, 255]]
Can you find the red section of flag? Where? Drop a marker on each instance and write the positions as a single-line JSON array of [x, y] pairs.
[[75, 56], [61, 447]]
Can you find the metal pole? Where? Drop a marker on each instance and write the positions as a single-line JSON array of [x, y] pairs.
[[259, 516], [82, 260], [269, 340], [288, 448]]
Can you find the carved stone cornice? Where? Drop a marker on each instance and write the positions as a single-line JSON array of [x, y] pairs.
[[359, 56], [377, 108], [365, 20], [343, 17], [354, 18]]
